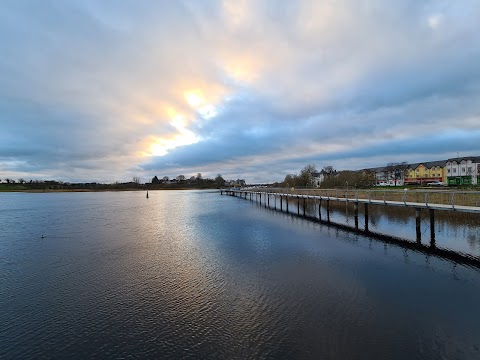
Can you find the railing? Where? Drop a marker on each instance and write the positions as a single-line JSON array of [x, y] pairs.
[[434, 196]]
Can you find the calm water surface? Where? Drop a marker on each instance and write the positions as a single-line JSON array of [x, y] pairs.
[[192, 274], [455, 231]]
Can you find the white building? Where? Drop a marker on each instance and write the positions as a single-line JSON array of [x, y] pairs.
[[463, 171]]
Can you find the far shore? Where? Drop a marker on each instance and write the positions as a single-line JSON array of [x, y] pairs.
[[94, 190]]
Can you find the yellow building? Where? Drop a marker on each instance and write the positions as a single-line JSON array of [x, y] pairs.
[[423, 173]]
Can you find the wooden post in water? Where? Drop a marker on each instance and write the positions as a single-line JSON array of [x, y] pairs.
[[268, 200], [355, 211], [287, 205], [281, 203], [432, 228], [320, 209], [304, 206], [366, 217], [298, 205], [328, 210], [418, 222], [260, 198]]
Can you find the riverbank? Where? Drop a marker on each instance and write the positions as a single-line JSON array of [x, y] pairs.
[[93, 190]]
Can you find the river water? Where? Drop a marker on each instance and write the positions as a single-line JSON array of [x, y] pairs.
[[192, 274], [454, 231]]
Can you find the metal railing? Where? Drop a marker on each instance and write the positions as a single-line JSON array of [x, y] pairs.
[[424, 196]]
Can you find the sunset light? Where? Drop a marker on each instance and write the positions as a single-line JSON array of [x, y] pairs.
[[178, 86], [229, 179], [194, 98], [161, 146]]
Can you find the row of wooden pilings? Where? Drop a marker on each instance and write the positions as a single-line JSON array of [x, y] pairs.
[[257, 196]]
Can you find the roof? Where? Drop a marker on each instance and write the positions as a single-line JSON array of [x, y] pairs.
[[474, 159], [427, 164]]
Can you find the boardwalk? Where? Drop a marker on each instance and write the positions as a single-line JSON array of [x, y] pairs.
[[433, 200], [440, 200], [462, 201]]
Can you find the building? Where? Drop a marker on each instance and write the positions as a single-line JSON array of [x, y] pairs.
[[318, 177], [426, 172], [389, 175], [235, 183], [463, 171]]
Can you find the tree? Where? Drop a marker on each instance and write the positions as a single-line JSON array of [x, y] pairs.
[[395, 171], [289, 180], [155, 180], [180, 177], [165, 178], [219, 181], [350, 179], [136, 180], [307, 175]]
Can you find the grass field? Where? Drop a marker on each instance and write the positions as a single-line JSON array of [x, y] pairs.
[[14, 187]]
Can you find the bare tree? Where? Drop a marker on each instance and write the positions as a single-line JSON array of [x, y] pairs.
[[289, 180], [306, 175], [395, 171]]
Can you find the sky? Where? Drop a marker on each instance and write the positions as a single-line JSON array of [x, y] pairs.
[[108, 90]]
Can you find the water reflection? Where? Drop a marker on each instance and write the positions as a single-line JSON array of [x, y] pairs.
[[198, 275], [455, 231]]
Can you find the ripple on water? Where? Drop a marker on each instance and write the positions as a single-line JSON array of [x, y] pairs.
[[195, 275]]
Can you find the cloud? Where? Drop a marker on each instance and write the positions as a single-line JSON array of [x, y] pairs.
[[251, 89]]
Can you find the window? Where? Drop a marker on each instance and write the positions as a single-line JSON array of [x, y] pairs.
[[454, 170], [469, 170], [463, 170], [448, 171]]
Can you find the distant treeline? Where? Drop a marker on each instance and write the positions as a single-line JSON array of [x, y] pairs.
[[328, 177], [180, 182], [197, 182], [40, 185]]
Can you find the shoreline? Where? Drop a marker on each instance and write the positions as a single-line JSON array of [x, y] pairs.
[[94, 190]]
